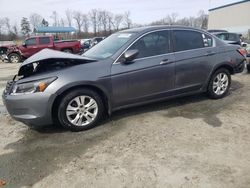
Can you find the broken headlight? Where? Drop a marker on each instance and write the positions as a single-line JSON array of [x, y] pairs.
[[32, 87]]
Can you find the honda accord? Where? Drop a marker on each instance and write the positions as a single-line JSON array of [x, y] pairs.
[[129, 68]]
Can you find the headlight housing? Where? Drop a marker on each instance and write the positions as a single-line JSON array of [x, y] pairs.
[[32, 87]]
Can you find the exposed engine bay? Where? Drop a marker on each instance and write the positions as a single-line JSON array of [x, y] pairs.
[[49, 60], [47, 66]]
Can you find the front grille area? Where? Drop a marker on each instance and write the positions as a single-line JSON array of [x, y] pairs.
[[8, 88]]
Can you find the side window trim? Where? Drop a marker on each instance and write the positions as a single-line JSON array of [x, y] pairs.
[[170, 45]]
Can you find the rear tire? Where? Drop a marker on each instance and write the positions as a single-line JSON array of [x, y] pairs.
[[219, 84], [80, 110], [14, 58]]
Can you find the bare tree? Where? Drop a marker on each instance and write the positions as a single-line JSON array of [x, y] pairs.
[[127, 20], [85, 21], [7, 25], [110, 20], [15, 29], [2, 25], [69, 17], [171, 19], [35, 20], [93, 15], [117, 21], [79, 21], [202, 19], [62, 22], [55, 18], [103, 18], [99, 21]]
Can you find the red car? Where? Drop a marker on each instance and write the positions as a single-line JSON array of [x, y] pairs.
[[33, 45]]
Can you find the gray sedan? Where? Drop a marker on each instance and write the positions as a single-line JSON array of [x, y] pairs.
[[129, 68]]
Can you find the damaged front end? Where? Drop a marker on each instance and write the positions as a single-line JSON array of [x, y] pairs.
[[46, 61], [27, 97]]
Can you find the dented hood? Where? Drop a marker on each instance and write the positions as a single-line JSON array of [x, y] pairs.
[[52, 54]]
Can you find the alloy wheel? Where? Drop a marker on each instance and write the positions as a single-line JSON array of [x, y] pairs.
[[14, 59], [82, 110], [220, 84]]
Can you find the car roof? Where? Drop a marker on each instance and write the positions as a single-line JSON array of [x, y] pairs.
[[158, 27]]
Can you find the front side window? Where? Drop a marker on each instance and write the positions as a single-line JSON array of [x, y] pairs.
[[187, 40], [30, 42], [152, 44], [44, 40]]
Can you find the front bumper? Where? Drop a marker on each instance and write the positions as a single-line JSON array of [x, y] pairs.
[[31, 109]]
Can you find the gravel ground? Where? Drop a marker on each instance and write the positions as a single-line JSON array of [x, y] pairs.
[[186, 142]]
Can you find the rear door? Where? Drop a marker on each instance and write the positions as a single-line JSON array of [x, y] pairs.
[[150, 75], [45, 42], [194, 52]]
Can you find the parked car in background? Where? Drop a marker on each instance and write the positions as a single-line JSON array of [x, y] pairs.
[[95, 41], [85, 44], [3, 52], [129, 68], [230, 38], [35, 44], [216, 31]]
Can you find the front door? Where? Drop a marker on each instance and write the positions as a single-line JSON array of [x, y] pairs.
[[151, 74], [31, 47]]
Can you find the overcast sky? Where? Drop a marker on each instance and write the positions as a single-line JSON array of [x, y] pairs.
[[142, 11]]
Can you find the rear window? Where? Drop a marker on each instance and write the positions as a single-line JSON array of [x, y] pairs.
[[187, 40], [44, 40]]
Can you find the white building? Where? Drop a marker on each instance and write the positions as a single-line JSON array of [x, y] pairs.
[[234, 17]]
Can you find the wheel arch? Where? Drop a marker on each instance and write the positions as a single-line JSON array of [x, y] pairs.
[[104, 96], [227, 66]]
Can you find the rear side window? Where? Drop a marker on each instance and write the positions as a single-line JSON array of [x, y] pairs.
[[152, 44], [187, 40], [44, 40], [30, 42]]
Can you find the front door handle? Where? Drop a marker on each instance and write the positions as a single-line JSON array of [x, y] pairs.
[[166, 61]]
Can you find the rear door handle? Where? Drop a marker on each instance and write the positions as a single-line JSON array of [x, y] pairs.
[[209, 53], [166, 61]]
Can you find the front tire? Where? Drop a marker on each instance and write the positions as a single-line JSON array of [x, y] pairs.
[[80, 110], [219, 84], [14, 58]]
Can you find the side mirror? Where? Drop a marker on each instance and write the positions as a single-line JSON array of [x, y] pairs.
[[130, 55], [24, 44]]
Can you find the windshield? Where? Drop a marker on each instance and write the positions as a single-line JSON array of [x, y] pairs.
[[108, 46]]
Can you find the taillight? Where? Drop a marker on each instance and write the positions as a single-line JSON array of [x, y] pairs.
[[242, 51]]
